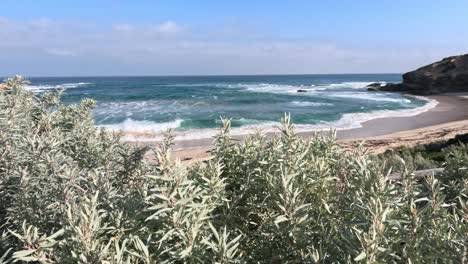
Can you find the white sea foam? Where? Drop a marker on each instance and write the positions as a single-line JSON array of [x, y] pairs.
[[196, 85], [369, 96], [142, 131], [355, 120], [74, 85], [353, 85], [113, 107], [145, 127], [42, 88], [275, 88], [133, 108], [305, 103], [140, 136], [283, 88], [269, 87]]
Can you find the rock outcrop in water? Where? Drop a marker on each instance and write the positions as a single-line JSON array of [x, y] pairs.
[[447, 75], [374, 85], [389, 87]]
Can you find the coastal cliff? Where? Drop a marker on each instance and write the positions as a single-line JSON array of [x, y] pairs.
[[447, 75]]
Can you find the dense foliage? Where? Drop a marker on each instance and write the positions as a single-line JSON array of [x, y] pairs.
[[423, 156], [71, 193]]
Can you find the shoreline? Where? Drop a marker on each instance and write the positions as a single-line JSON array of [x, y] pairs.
[[409, 138], [447, 119], [349, 121], [450, 108]]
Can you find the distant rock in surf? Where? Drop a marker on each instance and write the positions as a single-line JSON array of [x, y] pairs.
[[447, 75], [302, 91], [374, 85], [389, 87]]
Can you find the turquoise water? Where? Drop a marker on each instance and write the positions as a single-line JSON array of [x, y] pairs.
[[152, 104]]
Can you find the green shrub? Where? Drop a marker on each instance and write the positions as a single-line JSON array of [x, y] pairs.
[[72, 193], [420, 157], [404, 158]]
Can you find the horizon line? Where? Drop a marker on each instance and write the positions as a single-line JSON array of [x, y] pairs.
[[195, 75]]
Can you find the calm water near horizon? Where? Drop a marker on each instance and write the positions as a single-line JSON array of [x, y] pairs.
[[193, 105]]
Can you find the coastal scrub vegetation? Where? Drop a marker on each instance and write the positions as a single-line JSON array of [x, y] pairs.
[[73, 193], [423, 156]]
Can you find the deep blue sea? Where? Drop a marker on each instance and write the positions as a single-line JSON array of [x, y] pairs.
[[192, 106]]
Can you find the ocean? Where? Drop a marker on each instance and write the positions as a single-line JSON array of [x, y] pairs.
[[143, 107]]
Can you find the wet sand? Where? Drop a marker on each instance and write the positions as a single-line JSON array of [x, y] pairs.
[[450, 108], [447, 119]]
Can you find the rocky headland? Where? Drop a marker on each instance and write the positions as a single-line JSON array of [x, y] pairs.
[[446, 76]]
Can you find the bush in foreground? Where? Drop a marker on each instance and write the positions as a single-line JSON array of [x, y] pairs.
[[425, 156], [71, 193]]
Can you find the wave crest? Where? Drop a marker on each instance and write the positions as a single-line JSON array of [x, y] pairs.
[[369, 96], [42, 88], [305, 103], [141, 131], [285, 88], [143, 126]]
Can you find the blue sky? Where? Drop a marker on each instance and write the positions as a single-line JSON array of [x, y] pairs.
[[45, 38]]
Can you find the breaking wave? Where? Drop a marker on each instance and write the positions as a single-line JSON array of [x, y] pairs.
[[369, 96], [42, 88], [305, 103], [143, 127], [279, 88], [141, 131]]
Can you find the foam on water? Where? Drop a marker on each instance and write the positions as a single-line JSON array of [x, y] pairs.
[[149, 131], [327, 90], [161, 107], [275, 88], [306, 104], [281, 88], [143, 107], [42, 88], [144, 127], [355, 120], [352, 85], [369, 96]]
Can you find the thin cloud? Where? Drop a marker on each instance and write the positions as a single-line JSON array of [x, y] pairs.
[[170, 48], [123, 28], [169, 27]]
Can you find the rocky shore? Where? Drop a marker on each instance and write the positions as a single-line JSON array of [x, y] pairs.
[[446, 76]]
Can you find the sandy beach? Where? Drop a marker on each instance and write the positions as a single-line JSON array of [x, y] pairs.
[[447, 119], [450, 108]]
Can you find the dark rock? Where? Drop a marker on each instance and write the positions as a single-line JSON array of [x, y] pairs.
[[302, 91], [389, 87], [447, 75], [374, 85]]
